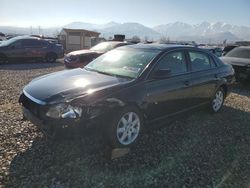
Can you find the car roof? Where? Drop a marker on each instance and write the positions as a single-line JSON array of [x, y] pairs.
[[244, 47], [26, 37], [114, 42], [231, 45], [155, 46], [209, 47]]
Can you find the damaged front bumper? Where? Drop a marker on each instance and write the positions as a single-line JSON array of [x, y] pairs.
[[36, 111], [56, 127]]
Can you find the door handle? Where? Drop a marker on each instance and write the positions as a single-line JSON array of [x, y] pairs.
[[186, 83]]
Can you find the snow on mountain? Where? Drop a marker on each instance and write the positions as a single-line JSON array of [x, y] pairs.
[[130, 30], [202, 32], [82, 25], [110, 24], [211, 38], [89, 26], [221, 30], [174, 30]]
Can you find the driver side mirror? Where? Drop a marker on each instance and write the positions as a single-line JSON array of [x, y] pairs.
[[162, 73]]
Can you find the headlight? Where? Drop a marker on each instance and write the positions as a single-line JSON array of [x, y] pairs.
[[64, 111], [70, 58]]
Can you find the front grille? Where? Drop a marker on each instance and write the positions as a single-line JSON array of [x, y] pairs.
[[30, 105]]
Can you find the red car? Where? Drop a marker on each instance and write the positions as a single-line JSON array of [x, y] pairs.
[[80, 58]]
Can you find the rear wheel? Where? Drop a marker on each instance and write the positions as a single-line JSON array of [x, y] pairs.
[[51, 57], [217, 100], [125, 128]]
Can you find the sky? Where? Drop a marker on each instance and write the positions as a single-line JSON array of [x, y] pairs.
[[50, 13]]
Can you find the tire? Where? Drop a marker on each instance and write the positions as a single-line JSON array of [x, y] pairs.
[[51, 58], [217, 100], [125, 127]]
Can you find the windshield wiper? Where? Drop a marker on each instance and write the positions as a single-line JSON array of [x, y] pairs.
[[122, 76], [106, 73], [88, 69], [101, 72]]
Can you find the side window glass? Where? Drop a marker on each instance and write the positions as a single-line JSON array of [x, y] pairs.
[[17, 44], [43, 43], [31, 43], [199, 61], [175, 61]]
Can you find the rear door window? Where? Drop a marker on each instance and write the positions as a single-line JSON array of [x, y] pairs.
[[18, 44], [199, 61], [42, 43], [32, 43]]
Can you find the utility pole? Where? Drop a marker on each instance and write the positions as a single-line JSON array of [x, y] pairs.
[[39, 30]]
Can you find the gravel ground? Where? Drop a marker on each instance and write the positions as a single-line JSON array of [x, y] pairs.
[[197, 150]]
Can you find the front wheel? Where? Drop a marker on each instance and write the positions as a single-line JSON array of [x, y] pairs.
[[125, 128], [51, 58], [217, 100]]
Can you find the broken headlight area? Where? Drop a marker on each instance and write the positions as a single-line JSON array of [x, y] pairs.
[[71, 58], [64, 111]]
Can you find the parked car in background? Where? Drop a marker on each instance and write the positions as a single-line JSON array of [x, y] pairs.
[[50, 39], [228, 48], [239, 58], [126, 89], [80, 58], [2, 36], [215, 50], [24, 48]]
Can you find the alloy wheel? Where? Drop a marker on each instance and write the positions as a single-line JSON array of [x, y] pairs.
[[218, 100], [51, 58], [128, 128]]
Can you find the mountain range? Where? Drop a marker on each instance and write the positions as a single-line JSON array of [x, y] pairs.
[[204, 32]]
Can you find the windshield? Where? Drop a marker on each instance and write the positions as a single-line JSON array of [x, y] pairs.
[[8, 42], [122, 62], [239, 52], [103, 47]]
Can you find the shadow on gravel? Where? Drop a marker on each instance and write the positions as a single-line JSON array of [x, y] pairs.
[[29, 65], [242, 88], [199, 150]]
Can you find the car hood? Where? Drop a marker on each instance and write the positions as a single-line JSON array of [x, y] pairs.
[[81, 52], [3, 46], [236, 61], [69, 84]]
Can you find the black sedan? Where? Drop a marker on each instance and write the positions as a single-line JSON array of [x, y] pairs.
[[126, 89], [239, 58]]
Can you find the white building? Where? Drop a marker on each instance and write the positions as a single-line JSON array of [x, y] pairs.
[[76, 39]]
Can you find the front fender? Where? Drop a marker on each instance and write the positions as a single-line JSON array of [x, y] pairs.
[[106, 106]]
